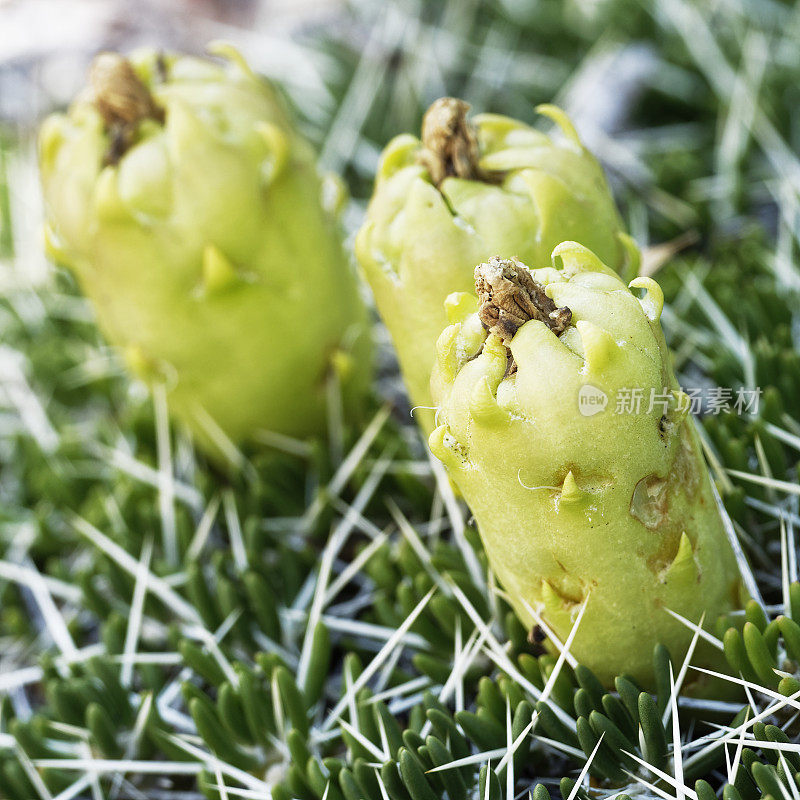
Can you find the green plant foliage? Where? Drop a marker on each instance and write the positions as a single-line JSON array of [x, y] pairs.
[[323, 624]]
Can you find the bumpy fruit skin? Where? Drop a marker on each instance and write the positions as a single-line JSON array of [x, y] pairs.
[[615, 507], [207, 252], [419, 243]]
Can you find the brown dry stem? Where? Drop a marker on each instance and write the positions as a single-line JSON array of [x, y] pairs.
[[122, 99], [509, 297], [449, 142]]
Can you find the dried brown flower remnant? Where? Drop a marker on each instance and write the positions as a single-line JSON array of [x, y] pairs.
[[509, 297], [122, 100], [449, 143]]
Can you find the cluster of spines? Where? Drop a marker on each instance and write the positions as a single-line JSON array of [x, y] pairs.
[[767, 652], [90, 697]]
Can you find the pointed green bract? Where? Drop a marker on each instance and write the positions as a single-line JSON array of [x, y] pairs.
[[582, 496], [504, 189], [199, 233]]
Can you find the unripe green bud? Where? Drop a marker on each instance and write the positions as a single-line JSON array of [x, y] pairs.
[[576, 503], [465, 192], [191, 213]]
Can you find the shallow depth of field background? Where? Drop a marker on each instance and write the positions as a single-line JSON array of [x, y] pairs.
[[690, 106]]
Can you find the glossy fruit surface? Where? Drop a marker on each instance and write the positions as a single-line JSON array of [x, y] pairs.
[[463, 193]]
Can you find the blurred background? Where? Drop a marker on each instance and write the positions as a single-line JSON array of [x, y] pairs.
[[689, 105]]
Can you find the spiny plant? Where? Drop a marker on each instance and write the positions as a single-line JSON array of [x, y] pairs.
[[177, 267], [77, 439], [569, 529], [465, 191]]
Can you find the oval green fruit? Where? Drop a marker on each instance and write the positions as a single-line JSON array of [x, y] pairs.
[[191, 212], [564, 428]]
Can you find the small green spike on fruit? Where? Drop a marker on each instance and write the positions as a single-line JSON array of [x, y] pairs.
[[483, 405], [141, 364], [218, 272], [108, 204], [458, 306], [583, 509], [277, 147], [570, 493], [653, 300], [599, 347], [186, 133], [684, 567]]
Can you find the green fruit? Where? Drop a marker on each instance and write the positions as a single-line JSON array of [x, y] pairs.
[[579, 495], [192, 216], [463, 194]]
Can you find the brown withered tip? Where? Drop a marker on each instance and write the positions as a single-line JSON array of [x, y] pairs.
[[122, 99], [449, 141], [509, 296], [119, 94]]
